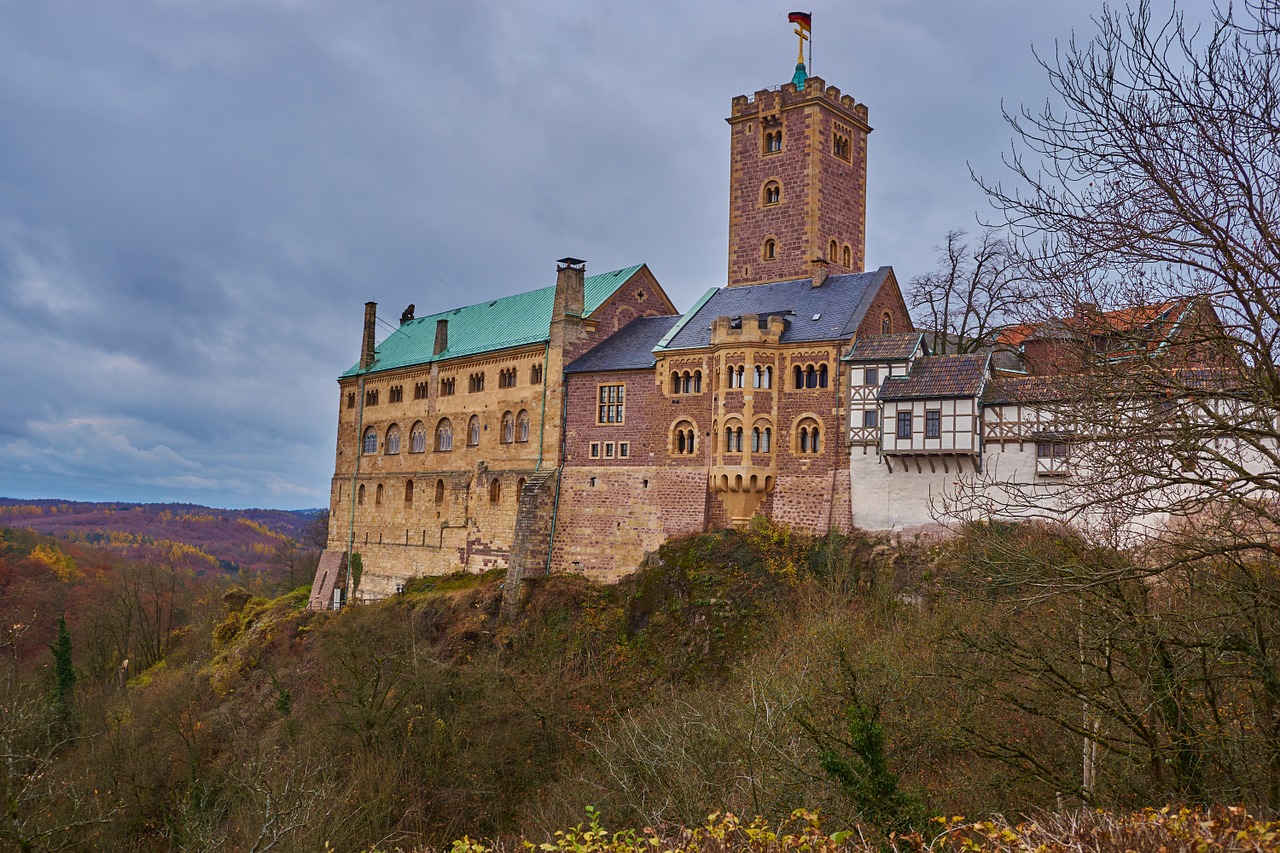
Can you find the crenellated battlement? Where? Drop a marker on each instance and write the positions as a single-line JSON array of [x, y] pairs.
[[786, 96]]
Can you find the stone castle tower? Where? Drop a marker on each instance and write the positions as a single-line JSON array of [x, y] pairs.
[[798, 182]]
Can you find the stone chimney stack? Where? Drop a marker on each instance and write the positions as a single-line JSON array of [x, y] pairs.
[[819, 271], [368, 351], [570, 299], [442, 336]]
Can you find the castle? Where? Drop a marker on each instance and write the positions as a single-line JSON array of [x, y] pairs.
[[576, 427]]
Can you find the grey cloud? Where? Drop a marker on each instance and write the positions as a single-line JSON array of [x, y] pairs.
[[197, 198]]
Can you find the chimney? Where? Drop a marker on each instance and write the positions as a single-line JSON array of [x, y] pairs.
[[819, 271], [442, 336], [368, 352], [570, 299]]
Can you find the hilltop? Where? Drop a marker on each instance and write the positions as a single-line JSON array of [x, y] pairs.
[[756, 672]]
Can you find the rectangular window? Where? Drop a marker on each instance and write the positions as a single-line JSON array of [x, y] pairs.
[[610, 404], [933, 423], [872, 376], [870, 419], [608, 450], [904, 425], [624, 450], [595, 450]]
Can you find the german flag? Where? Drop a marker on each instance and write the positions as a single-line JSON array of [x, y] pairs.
[[804, 19]]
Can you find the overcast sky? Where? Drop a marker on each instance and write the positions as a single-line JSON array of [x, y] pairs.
[[197, 198]]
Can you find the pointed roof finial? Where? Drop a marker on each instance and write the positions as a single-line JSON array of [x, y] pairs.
[[804, 27]]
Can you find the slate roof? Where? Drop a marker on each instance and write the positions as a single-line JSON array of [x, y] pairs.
[[898, 346], [939, 377], [629, 348], [512, 321], [1064, 388], [839, 304]]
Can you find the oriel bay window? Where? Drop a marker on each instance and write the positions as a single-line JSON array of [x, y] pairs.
[[610, 402]]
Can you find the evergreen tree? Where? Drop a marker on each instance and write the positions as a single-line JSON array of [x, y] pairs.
[[64, 672]]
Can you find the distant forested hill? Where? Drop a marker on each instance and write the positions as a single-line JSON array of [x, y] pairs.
[[196, 537]]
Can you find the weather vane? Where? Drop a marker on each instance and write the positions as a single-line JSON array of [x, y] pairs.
[[804, 29]]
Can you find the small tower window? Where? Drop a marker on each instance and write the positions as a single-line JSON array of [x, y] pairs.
[[439, 491], [773, 142], [772, 193], [831, 252], [886, 323], [846, 257], [770, 249], [840, 146]]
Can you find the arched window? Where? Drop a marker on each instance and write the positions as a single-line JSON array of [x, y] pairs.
[[520, 487], [439, 491], [418, 438], [772, 193], [444, 435], [370, 441], [675, 382], [886, 323], [831, 255], [799, 381], [773, 142], [733, 439], [392, 446], [761, 438], [768, 378], [847, 257], [408, 491], [473, 431], [756, 376], [535, 375], [522, 426], [742, 376], [770, 249], [377, 497], [508, 428], [822, 376], [808, 436], [360, 495], [495, 490], [686, 383], [810, 377], [697, 382], [682, 438]]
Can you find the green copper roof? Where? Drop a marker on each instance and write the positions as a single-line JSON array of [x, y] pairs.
[[511, 321], [799, 77]]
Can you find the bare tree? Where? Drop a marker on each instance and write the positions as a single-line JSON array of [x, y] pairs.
[[971, 293], [1144, 213]]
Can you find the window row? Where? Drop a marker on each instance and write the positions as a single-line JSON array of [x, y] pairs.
[[513, 428], [736, 376], [507, 378], [932, 424], [842, 256], [379, 492], [810, 376], [606, 449], [684, 437], [686, 383]]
